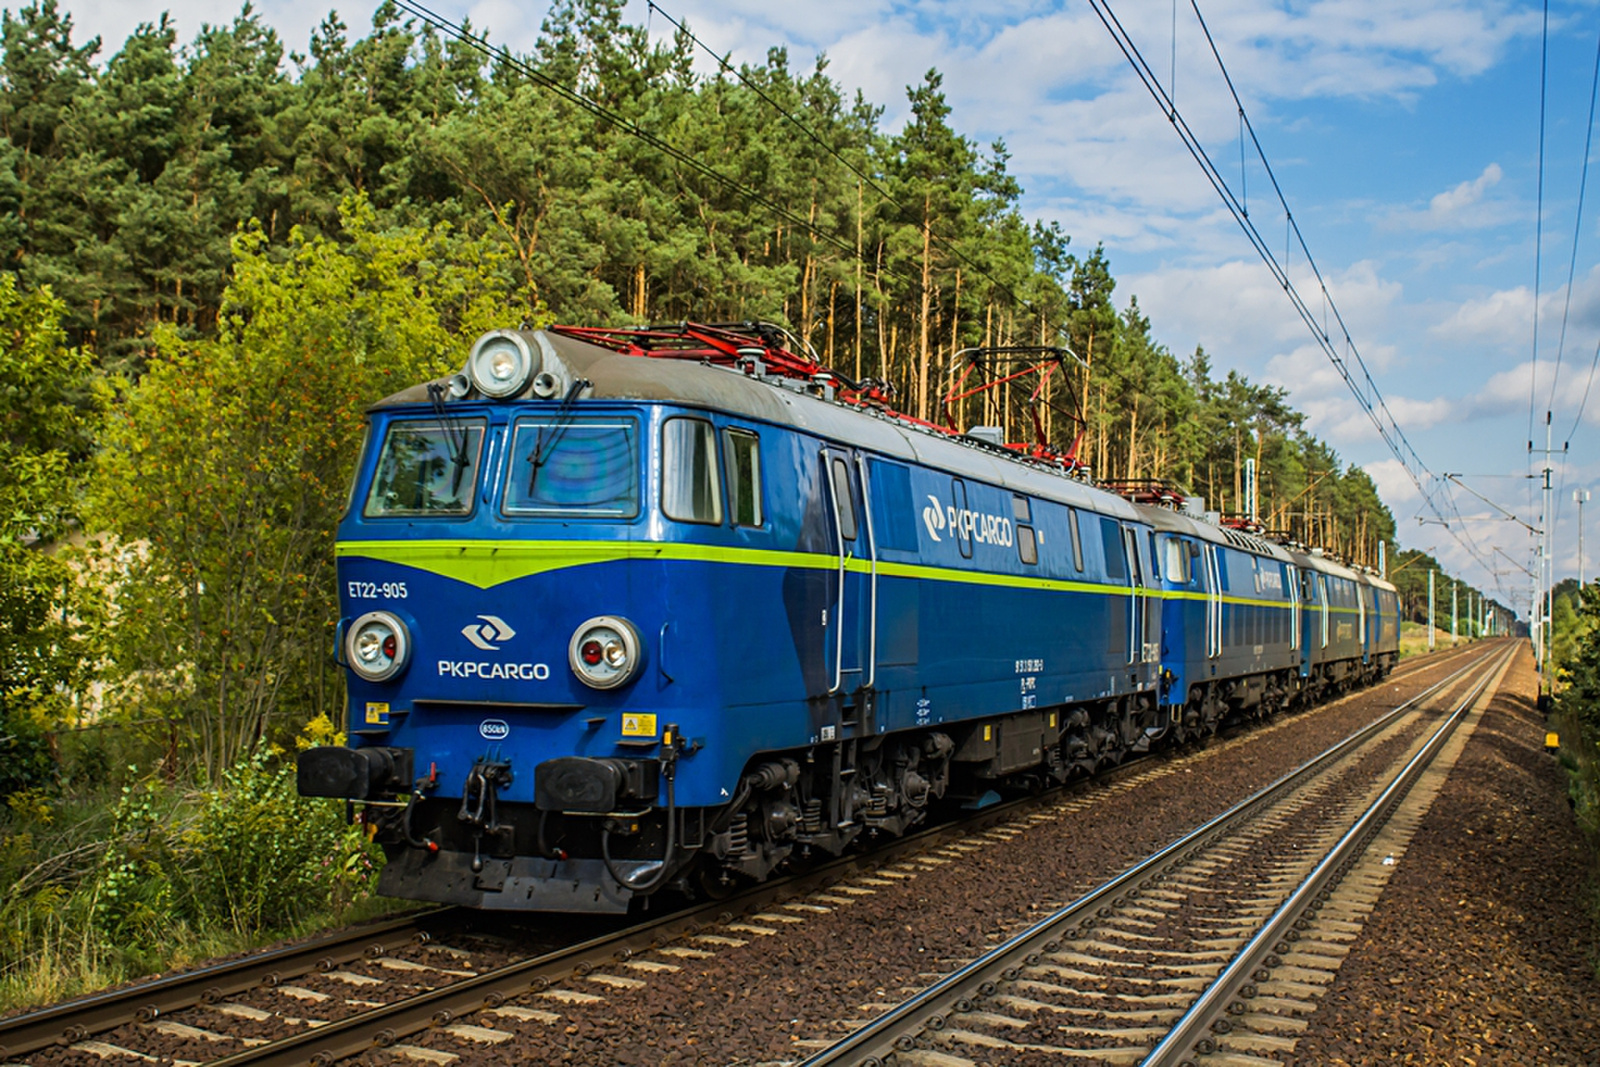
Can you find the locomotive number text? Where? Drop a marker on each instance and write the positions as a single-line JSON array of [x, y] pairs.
[[375, 590]]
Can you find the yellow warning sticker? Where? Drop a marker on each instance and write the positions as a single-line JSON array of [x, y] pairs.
[[637, 724], [377, 713], [988, 733]]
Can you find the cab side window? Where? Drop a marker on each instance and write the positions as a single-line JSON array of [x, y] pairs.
[[742, 456], [689, 487]]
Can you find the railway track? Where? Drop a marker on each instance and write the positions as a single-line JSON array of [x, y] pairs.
[[375, 986], [78, 1021], [1215, 946], [138, 1024]]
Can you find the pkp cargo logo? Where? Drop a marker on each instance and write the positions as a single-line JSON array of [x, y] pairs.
[[933, 517], [967, 526], [484, 634], [494, 729]]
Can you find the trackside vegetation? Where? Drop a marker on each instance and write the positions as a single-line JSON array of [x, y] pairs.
[[215, 254], [1575, 717], [1575, 651]]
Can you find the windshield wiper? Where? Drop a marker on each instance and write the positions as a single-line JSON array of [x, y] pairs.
[[542, 450], [451, 428]]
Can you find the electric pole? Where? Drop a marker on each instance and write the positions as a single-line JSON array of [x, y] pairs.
[[1544, 584], [1431, 573]]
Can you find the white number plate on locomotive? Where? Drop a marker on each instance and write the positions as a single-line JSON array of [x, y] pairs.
[[375, 590]]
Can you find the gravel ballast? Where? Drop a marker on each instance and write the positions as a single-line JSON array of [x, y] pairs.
[[1481, 950], [771, 997]]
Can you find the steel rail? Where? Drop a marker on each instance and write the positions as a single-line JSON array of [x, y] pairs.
[[1187, 1033], [387, 1025], [928, 1010], [75, 1020]]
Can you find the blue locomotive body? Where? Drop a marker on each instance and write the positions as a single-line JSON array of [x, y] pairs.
[[615, 623]]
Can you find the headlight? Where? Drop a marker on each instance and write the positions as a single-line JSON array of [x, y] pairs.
[[604, 652], [378, 646], [501, 364]]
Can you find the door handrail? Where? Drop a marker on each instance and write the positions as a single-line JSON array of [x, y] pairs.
[[872, 595], [838, 536]]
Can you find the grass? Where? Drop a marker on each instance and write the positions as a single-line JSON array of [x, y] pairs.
[[1414, 639], [107, 886]]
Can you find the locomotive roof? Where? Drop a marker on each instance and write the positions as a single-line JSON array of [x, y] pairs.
[[1170, 521], [1312, 561], [617, 376]]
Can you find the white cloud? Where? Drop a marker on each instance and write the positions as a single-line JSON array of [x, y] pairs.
[[1239, 312], [1395, 486], [1498, 326], [1461, 207], [1503, 319], [1467, 193]]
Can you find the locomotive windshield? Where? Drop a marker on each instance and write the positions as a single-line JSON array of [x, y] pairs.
[[572, 466], [426, 468]]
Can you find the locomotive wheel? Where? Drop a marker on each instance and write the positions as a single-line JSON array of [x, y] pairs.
[[712, 882]]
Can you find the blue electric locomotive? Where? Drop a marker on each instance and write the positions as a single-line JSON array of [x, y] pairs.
[[614, 623]]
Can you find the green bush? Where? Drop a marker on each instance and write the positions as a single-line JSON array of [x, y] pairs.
[[107, 885], [262, 855]]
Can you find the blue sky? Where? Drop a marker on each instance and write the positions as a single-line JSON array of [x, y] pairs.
[[1406, 140]]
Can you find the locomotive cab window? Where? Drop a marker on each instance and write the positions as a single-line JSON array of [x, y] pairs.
[[568, 466], [742, 452], [426, 468], [689, 488], [1077, 542]]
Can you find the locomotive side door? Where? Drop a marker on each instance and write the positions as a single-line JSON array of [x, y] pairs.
[[1322, 596], [1305, 619], [1213, 602], [850, 630], [1361, 608], [1141, 627], [1135, 597], [1293, 585]]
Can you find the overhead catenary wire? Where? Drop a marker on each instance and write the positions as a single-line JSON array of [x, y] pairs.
[[1359, 381], [1586, 386], [1538, 219], [1371, 404], [1577, 229], [1577, 224]]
